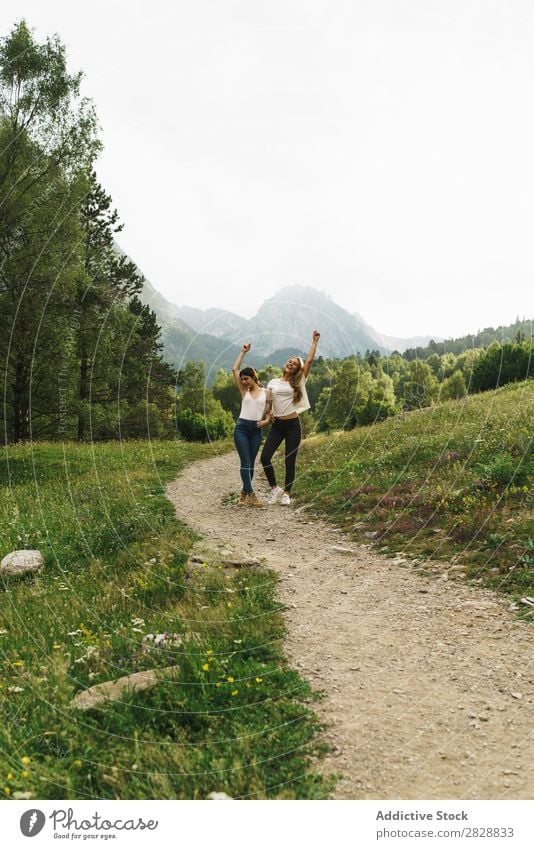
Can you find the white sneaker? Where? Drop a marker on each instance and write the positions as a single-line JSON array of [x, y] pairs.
[[275, 495], [285, 500]]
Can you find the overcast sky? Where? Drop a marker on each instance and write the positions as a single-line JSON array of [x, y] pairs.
[[380, 151]]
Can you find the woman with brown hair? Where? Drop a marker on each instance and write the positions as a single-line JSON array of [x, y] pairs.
[[289, 398], [247, 433]]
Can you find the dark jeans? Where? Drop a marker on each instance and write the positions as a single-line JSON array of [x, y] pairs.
[[247, 438], [288, 429]]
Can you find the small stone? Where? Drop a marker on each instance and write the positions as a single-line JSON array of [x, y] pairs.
[[219, 797], [341, 549], [516, 695], [113, 690], [21, 562], [371, 534]]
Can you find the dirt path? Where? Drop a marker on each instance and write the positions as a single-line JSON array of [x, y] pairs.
[[429, 683]]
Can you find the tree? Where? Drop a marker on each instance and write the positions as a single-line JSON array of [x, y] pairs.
[[453, 387], [348, 395], [225, 391], [37, 286], [109, 279], [47, 140], [381, 401], [501, 364], [199, 416], [417, 387], [147, 382]]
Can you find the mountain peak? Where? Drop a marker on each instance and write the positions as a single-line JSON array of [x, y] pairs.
[[300, 293]]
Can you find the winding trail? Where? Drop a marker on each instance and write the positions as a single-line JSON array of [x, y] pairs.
[[429, 683]]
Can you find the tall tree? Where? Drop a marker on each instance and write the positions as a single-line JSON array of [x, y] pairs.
[[47, 139], [109, 279]]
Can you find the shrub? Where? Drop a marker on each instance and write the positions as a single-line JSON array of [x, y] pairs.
[[504, 470]]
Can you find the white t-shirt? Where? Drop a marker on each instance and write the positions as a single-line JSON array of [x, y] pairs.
[[283, 404], [252, 408]]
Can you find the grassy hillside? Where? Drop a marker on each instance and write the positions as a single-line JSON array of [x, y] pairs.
[[450, 481], [234, 720]]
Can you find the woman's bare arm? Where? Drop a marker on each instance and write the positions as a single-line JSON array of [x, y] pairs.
[[313, 350], [236, 368]]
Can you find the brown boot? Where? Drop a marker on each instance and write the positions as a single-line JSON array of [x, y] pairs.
[[254, 501], [243, 499]]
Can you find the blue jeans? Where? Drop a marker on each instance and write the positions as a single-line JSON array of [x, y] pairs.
[[247, 438]]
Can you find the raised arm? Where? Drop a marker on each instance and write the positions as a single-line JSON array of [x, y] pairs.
[[236, 368], [313, 350]]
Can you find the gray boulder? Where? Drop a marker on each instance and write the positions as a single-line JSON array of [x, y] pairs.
[[21, 562], [112, 691]]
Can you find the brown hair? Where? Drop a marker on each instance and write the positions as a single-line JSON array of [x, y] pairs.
[[248, 371], [295, 382]]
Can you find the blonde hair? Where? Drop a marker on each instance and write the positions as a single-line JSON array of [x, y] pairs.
[[295, 381]]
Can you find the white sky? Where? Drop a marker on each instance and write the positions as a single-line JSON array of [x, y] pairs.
[[380, 151]]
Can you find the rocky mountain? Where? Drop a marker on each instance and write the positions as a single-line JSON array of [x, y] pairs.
[[282, 326], [182, 342], [215, 321], [288, 318], [285, 321]]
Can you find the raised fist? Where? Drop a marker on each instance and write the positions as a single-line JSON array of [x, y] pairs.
[[245, 347]]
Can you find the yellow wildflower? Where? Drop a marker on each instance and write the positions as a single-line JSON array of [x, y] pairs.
[[9, 776], [24, 773], [230, 679], [26, 760], [56, 646], [77, 762], [18, 663], [259, 680], [235, 692], [7, 791], [205, 667]]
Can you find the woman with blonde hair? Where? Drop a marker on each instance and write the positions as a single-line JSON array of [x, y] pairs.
[[289, 398], [248, 430]]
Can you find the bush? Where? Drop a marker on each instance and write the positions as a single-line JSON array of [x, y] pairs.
[[200, 427], [505, 470], [501, 364]]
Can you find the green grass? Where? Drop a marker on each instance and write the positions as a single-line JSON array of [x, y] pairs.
[[450, 481], [234, 719]]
